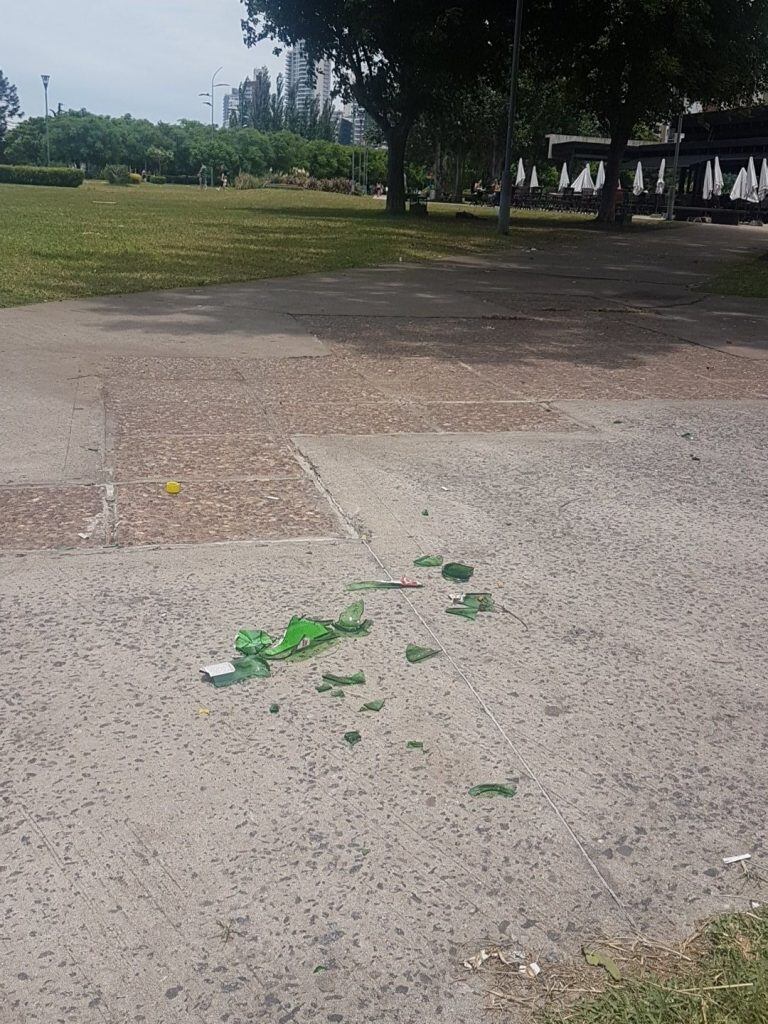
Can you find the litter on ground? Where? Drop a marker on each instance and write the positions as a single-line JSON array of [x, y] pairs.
[[414, 653], [352, 737], [457, 571], [489, 789], [402, 584]]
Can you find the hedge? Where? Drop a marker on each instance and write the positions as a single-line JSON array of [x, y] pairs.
[[18, 174]]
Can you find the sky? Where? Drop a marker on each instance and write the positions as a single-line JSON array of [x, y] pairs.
[[149, 58]]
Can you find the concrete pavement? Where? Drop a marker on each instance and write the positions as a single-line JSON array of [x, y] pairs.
[[582, 425]]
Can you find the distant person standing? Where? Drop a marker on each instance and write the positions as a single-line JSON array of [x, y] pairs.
[[202, 176]]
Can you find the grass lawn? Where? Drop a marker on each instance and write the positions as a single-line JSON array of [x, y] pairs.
[[748, 278], [58, 243]]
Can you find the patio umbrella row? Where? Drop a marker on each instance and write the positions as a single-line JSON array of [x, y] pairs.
[[585, 181], [747, 185]]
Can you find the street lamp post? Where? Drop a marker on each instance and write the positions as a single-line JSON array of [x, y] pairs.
[[46, 79], [505, 198], [210, 103], [672, 196]]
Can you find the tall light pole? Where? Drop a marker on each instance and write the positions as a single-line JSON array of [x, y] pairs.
[[210, 103], [46, 79], [506, 178], [673, 190]]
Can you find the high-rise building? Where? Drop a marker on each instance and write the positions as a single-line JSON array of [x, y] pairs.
[[231, 105], [354, 121], [309, 78]]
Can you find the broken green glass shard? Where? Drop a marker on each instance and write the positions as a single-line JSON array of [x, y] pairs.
[[252, 641], [484, 601], [324, 687], [463, 611], [415, 745], [414, 653], [428, 561], [274, 708], [401, 584], [319, 968], [299, 634], [425, 511], [492, 789], [315, 649], [338, 693], [373, 705], [351, 621], [352, 737], [356, 679], [235, 671], [457, 571]]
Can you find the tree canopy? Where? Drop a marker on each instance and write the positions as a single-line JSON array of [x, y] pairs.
[[9, 106], [397, 60], [627, 62]]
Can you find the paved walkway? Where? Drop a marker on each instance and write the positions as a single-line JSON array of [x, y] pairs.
[[581, 424]]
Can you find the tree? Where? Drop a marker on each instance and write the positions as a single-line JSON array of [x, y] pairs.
[[9, 106], [397, 59], [637, 61]]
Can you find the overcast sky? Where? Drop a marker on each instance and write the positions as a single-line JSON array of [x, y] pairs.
[[149, 58]]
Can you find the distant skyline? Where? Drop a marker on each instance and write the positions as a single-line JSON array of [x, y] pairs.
[[142, 57]]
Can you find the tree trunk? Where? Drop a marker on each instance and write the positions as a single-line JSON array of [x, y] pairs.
[[396, 139], [606, 213]]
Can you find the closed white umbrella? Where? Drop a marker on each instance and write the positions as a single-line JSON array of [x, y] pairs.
[[706, 192], [564, 179], [584, 180], [660, 182], [600, 176], [739, 190], [752, 196], [520, 179], [638, 185], [534, 178], [717, 184], [762, 187]]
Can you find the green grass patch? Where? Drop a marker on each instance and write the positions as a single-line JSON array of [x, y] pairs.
[[101, 239], [747, 278], [720, 977]]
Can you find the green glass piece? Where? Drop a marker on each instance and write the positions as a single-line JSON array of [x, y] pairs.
[[483, 601], [251, 641], [324, 687], [425, 511], [351, 621], [463, 611], [492, 789], [300, 633], [373, 705], [249, 667], [356, 679], [315, 649], [274, 708], [428, 561], [352, 737], [403, 584], [415, 744], [319, 968], [457, 571], [414, 653], [338, 693]]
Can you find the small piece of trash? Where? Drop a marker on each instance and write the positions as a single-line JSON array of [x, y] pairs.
[[220, 670], [414, 653], [425, 511], [529, 970], [84, 536], [203, 712], [737, 858], [271, 497], [475, 962], [402, 584], [595, 959], [319, 968], [695, 458], [352, 737], [755, 904], [172, 487], [489, 789], [415, 745], [274, 708], [443, 488], [687, 435]]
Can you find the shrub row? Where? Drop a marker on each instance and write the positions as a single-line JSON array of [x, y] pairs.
[[19, 174]]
